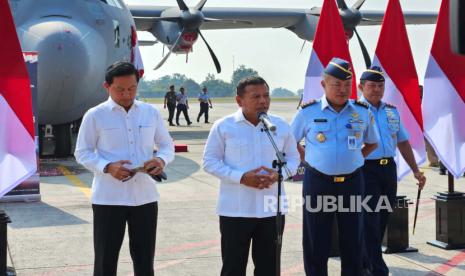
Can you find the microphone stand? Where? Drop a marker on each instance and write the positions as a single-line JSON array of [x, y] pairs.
[[280, 164]]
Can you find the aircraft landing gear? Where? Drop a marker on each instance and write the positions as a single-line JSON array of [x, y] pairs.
[[62, 135]]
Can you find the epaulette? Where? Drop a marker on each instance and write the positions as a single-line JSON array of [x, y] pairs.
[[360, 103], [390, 105], [307, 104]]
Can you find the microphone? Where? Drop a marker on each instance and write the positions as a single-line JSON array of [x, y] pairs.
[[266, 121]]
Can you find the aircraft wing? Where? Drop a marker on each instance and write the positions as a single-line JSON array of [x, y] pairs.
[[299, 21], [411, 17], [232, 18]]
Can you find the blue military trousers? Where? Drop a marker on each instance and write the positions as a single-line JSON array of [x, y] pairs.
[[380, 180], [317, 225]]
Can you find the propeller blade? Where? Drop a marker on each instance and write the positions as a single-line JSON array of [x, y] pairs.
[[315, 11], [342, 4], [200, 5], [358, 4], [182, 6], [208, 19], [215, 60], [169, 53], [161, 18], [371, 20], [366, 55]]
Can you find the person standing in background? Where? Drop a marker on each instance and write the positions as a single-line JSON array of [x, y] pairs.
[[205, 104], [183, 106], [170, 102]]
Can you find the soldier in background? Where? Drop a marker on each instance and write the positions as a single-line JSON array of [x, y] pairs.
[[170, 102]]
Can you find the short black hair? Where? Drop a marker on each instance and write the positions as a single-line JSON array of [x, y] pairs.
[[171, 86], [252, 80], [120, 68], [182, 88]]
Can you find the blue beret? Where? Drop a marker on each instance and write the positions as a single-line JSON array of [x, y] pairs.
[[373, 74], [339, 69]]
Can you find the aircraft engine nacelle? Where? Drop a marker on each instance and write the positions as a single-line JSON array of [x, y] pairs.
[[305, 28], [168, 32]]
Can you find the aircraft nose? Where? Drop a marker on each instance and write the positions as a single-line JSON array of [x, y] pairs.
[[70, 54]]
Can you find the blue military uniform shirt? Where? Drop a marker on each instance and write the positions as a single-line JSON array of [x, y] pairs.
[[390, 128], [204, 97], [333, 140]]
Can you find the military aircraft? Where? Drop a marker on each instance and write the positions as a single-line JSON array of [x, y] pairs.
[[78, 39]]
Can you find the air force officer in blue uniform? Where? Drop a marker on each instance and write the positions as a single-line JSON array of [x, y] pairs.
[[338, 134], [380, 171]]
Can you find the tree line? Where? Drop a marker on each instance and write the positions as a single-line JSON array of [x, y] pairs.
[[216, 87]]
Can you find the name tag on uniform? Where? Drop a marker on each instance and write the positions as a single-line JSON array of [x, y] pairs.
[[352, 142]]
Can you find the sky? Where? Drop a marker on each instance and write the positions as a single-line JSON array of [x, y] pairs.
[[275, 53]]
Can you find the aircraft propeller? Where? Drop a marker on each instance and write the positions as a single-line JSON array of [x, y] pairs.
[[351, 17], [190, 19]]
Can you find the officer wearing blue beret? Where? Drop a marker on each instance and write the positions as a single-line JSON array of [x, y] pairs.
[[338, 134], [380, 169]]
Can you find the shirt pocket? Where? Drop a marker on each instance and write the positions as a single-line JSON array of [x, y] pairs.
[[319, 133], [112, 139], [147, 136], [236, 152], [393, 126]]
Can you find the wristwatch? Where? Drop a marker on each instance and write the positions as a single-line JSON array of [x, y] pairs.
[[105, 170]]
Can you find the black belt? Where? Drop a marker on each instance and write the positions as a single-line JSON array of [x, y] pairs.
[[381, 162], [335, 178]]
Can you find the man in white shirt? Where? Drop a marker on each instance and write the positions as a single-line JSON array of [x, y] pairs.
[[240, 154], [116, 136], [183, 106]]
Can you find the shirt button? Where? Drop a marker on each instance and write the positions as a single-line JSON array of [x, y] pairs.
[[130, 142], [129, 130]]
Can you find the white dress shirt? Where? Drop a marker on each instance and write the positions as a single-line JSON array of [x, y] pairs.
[[235, 146], [108, 134], [182, 98]]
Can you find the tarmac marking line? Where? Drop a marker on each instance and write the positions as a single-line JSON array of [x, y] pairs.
[[76, 181], [187, 246], [449, 265], [293, 270]]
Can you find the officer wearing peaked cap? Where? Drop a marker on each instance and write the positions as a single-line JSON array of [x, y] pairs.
[[380, 169], [338, 134]]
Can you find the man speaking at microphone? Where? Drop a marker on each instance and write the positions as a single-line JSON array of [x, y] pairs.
[[240, 154]]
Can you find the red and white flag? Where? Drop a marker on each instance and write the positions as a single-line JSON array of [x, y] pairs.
[[17, 147], [394, 56], [444, 98], [330, 41], [136, 57]]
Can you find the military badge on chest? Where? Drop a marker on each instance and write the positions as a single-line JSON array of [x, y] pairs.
[[320, 137], [321, 124]]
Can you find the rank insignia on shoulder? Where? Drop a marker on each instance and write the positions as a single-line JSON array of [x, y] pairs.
[[307, 104], [360, 103], [390, 105]]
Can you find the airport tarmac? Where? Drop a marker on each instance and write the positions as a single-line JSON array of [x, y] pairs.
[[54, 236]]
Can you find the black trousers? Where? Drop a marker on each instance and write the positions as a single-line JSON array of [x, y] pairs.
[[236, 236], [317, 224], [203, 110], [380, 180], [171, 109], [182, 108], [109, 227]]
